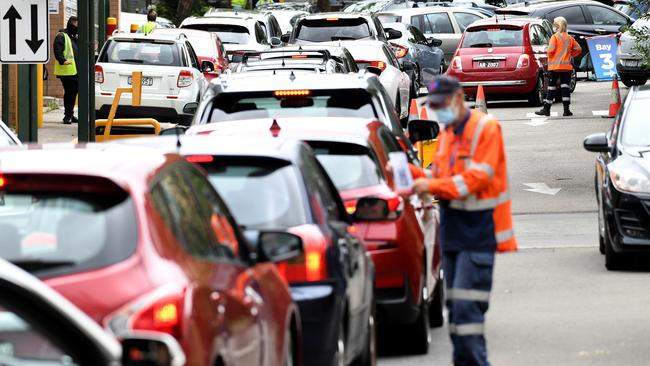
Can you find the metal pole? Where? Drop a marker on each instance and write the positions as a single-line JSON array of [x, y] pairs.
[[33, 102], [27, 124], [101, 21], [5, 93], [86, 70]]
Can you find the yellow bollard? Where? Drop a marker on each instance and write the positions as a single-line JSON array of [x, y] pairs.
[[39, 94], [134, 28]]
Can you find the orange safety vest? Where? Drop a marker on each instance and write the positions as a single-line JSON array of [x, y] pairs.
[[561, 49], [478, 179]]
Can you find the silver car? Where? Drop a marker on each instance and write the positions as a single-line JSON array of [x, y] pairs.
[[629, 62]]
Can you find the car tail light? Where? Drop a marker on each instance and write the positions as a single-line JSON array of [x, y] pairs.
[[99, 74], [381, 65], [185, 79], [523, 62], [351, 206], [160, 311], [200, 158], [312, 265], [456, 64], [3, 182], [292, 93], [400, 51]]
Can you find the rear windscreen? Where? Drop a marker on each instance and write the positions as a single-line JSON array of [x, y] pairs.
[[61, 233], [142, 53], [350, 166], [317, 103], [334, 29], [228, 33], [493, 37], [261, 193], [390, 18]]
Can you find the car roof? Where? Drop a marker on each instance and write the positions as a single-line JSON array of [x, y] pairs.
[[427, 10], [243, 82], [641, 92], [517, 21], [555, 4], [149, 37], [190, 33], [122, 165], [341, 15], [243, 21]]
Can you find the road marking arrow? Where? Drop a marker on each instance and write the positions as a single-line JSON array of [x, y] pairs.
[[34, 43], [537, 122], [541, 188], [13, 15]]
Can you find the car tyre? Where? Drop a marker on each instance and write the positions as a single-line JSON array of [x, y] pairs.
[[536, 97], [368, 356], [613, 261], [574, 80], [419, 330], [339, 357], [290, 351], [437, 307]]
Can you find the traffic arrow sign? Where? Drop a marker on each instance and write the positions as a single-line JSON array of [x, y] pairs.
[[542, 188], [20, 18]]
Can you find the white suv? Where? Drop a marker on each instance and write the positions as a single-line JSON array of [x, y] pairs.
[[172, 78]]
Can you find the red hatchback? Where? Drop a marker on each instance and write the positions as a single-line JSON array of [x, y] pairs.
[[508, 57], [207, 47], [140, 240]]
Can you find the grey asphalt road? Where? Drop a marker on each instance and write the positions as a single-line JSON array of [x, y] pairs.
[[553, 302]]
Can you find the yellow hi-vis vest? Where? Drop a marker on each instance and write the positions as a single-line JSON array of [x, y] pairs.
[[239, 3], [147, 27], [68, 53]]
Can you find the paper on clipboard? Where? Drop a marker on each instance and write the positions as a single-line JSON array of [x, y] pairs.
[[401, 172]]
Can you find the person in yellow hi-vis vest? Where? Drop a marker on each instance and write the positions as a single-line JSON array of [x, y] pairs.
[[151, 24], [239, 4], [65, 67]]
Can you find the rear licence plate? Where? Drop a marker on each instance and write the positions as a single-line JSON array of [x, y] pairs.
[[146, 81], [488, 64], [631, 63]]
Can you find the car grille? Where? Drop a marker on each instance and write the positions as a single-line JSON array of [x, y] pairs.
[[634, 218]]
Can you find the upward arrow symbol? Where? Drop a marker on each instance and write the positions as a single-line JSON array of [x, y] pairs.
[[13, 15], [34, 43]]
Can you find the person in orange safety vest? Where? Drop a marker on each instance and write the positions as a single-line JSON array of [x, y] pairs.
[[469, 177], [562, 49]]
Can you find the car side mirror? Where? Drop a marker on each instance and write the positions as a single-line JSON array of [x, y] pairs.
[[422, 130], [596, 142], [173, 131], [372, 209], [373, 70], [393, 34], [278, 246], [434, 42], [207, 66], [190, 108], [407, 66], [285, 38], [276, 41], [151, 349]]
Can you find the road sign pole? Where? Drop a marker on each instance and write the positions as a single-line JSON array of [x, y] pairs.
[[26, 98], [101, 21], [85, 11], [5, 93]]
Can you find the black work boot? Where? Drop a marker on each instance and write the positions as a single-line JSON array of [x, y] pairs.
[[545, 111], [67, 120], [567, 111]]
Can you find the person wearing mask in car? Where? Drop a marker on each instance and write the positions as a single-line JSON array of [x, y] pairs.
[[65, 67], [468, 175], [562, 48], [151, 24]]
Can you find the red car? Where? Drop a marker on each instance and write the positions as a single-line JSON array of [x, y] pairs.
[[401, 236], [506, 56], [207, 47], [141, 240]]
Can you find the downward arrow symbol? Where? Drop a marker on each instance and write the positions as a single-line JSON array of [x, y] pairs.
[[34, 43], [541, 188]]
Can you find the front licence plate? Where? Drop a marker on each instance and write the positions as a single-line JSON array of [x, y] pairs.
[[488, 64], [146, 81]]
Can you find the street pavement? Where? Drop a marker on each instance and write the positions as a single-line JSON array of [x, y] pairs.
[[553, 302]]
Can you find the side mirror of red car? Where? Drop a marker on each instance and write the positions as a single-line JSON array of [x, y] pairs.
[[151, 349], [278, 246]]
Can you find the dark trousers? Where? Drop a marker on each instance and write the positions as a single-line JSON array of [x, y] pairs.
[[565, 86], [468, 276], [70, 91]]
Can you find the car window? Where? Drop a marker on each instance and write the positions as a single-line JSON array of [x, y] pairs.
[[276, 31], [416, 36], [536, 36], [333, 29], [389, 18], [465, 19], [350, 166], [495, 36], [381, 32], [388, 141], [142, 53], [204, 46], [573, 15], [422, 23], [260, 33], [390, 57], [603, 16], [440, 23], [228, 33], [194, 62], [321, 198], [636, 129]]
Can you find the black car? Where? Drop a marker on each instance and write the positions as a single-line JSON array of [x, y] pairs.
[[269, 183], [623, 180], [585, 18]]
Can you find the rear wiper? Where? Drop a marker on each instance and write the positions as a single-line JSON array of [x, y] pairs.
[[31, 265], [132, 60], [342, 38], [486, 44]]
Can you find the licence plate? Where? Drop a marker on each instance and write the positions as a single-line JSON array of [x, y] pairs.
[[631, 63], [146, 81], [488, 64]]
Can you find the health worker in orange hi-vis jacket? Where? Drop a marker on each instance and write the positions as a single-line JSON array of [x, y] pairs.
[[469, 177], [561, 49]]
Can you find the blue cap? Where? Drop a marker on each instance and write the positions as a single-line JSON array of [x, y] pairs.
[[442, 87]]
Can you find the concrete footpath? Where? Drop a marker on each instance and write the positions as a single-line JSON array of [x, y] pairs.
[[54, 130]]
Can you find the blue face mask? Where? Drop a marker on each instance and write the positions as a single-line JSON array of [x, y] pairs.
[[446, 116]]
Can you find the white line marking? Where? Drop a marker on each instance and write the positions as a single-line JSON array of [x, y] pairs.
[[542, 188], [537, 122], [600, 113]]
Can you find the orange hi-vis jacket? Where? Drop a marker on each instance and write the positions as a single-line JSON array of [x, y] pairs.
[[561, 49], [469, 175]]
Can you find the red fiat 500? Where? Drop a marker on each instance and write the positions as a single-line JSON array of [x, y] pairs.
[[141, 240]]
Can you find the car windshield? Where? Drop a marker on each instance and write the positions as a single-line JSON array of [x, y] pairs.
[[228, 33], [332, 29], [493, 36], [350, 166], [66, 233], [305, 103], [142, 53], [262, 193], [636, 130], [204, 47]]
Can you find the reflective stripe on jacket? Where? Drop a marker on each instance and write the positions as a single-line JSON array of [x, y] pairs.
[[68, 53], [469, 171], [561, 49]]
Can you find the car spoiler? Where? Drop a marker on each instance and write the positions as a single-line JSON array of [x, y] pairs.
[[510, 11], [324, 55]]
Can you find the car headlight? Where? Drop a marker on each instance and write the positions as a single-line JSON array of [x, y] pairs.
[[629, 180]]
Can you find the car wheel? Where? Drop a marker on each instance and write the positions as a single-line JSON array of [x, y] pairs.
[[574, 80], [339, 358], [436, 316], [419, 330], [289, 349], [536, 97], [627, 81], [613, 261], [369, 355]]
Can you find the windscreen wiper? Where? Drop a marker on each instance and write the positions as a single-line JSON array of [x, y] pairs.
[[342, 38], [32, 265], [486, 44], [132, 60]]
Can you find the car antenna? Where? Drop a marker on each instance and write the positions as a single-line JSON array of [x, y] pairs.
[[292, 76], [178, 141]]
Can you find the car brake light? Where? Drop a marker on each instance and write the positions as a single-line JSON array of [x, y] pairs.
[[312, 265], [185, 79], [351, 206], [331, 19], [292, 93], [3, 182], [299, 56], [400, 51], [456, 64], [523, 62], [381, 65], [199, 158], [99, 74]]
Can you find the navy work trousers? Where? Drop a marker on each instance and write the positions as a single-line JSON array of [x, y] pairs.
[[468, 276]]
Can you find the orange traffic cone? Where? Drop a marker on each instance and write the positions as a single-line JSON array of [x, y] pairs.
[[481, 103], [424, 114], [413, 110], [615, 103]]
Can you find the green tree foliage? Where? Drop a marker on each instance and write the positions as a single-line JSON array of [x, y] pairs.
[[177, 10], [642, 34]]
